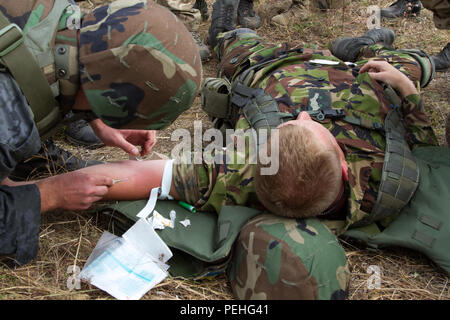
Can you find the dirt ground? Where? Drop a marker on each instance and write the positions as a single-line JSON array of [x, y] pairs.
[[68, 238]]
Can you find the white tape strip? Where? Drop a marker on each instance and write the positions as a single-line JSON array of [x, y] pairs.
[[161, 193], [148, 209], [166, 181]]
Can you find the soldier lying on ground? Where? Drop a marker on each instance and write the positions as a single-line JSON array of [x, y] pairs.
[[133, 65], [330, 167]]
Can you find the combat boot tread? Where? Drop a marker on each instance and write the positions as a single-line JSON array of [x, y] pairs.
[[402, 8], [442, 59], [223, 19], [247, 17], [205, 54]]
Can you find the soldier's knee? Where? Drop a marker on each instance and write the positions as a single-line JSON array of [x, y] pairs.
[[141, 67]]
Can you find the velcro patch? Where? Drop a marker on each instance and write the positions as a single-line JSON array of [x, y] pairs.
[[319, 99]]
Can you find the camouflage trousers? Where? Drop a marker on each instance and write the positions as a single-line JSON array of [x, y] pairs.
[[247, 49], [441, 12], [283, 258], [184, 10]]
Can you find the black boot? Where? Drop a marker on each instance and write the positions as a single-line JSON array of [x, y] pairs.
[[203, 7], [247, 17], [347, 49], [80, 133], [223, 19], [442, 60], [50, 160], [402, 8]]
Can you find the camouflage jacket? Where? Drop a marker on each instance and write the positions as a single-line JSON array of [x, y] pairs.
[[296, 84]]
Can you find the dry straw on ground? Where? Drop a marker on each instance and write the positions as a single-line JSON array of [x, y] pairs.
[[68, 238]]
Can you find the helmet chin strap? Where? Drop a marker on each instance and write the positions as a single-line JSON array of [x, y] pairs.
[[337, 204], [159, 193]]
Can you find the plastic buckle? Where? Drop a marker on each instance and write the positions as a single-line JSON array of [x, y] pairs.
[[318, 114], [334, 113], [329, 114], [5, 49]]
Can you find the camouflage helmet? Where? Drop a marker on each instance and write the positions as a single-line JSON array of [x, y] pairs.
[[139, 66], [284, 258]]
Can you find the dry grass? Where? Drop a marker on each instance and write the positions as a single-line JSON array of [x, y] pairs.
[[68, 238]]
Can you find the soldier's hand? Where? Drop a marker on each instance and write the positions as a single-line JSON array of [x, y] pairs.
[[128, 139], [72, 191], [125, 139], [384, 72]]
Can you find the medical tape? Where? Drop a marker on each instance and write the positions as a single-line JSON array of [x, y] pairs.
[[161, 193]]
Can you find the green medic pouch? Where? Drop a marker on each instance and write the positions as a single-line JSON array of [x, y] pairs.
[[199, 250]]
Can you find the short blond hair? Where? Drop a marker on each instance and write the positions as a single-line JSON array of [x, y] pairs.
[[308, 179]]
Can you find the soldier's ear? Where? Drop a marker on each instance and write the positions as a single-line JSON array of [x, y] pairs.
[[81, 102], [344, 167]]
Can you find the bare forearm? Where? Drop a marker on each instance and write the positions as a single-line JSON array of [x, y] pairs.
[[137, 178], [48, 197], [75, 190], [406, 87], [79, 189]]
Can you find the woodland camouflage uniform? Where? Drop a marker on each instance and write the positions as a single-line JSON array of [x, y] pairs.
[[159, 66], [284, 258]]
